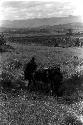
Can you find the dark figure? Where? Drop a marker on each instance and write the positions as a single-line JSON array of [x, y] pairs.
[[48, 80], [41, 80], [2, 40], [29, 70], [56, 78]]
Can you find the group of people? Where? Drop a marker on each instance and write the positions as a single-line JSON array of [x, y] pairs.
[[45, 80]]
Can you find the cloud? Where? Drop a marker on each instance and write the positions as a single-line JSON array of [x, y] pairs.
[[12, 10]]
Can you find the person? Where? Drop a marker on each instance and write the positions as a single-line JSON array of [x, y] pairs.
[[56, 78], [41, 80], [29, 70]]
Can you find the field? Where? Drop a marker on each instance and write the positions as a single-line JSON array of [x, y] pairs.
[[68, 58], [30, 108]]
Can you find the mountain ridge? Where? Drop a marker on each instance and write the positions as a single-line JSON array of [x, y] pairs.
[[39, 22]]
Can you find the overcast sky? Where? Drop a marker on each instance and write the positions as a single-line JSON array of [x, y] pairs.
[[13, 10], [28, 9]]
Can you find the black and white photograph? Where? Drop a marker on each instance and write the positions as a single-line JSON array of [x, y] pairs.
[[41, 62]]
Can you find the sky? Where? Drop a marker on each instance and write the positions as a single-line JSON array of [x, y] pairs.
[[28, 9]]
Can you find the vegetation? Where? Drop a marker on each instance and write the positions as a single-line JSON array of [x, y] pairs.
[[35, 107], [13, 64], [2, 40]]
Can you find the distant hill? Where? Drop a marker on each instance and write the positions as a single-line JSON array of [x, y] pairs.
[[45, 29], [39, 22]]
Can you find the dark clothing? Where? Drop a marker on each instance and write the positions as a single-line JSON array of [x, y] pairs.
[[56, 78], [30, 69]]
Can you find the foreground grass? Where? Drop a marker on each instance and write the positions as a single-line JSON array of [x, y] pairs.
[[32, 109]]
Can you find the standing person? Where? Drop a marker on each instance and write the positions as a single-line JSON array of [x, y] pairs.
[[29, 70], [56, 78]]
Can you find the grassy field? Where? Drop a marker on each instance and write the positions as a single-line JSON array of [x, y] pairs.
[[30, 108], [45, 56]]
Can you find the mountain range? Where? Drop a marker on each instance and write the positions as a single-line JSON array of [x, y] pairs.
[[40, 22]]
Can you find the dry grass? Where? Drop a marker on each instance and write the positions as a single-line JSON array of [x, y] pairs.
[[34, 109], [30, 110], [45, 56]]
